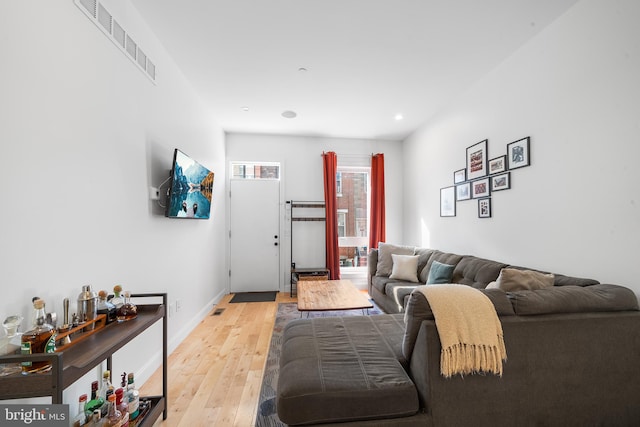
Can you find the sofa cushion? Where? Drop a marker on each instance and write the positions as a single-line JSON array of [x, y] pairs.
[[341, 369], [405, 267], [417, 310], [424, 255], [385, 262], [440, 273], [573, 299], [476, 272], [511, 279], [562, 280], [397, 291], [441, 257]]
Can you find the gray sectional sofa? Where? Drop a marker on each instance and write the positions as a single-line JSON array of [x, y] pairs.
[[573, 358]]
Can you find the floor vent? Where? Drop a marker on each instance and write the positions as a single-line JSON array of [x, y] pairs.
[[217, 312], [104, 21]]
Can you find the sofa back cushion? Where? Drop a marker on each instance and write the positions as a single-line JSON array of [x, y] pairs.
[[424, 255], [476, 272], [441, 257], [418, 310], [573, 299], [385, 262]]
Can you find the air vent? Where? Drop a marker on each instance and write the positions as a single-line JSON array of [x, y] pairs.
[[142, 59], [90, 6], [132, 47], [118, 34], [100, 16], [104, 18], [151, 69]]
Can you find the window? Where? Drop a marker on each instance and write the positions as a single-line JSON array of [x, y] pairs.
[[353, 215], [342, 220], [253, 170]]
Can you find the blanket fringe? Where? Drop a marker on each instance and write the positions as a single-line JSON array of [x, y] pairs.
[[471, 359]]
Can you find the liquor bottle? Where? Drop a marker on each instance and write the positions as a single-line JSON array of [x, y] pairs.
[[128, 310], [96, 419], [94, 403], [117, 299], [122, 406], [40, 339], [114, 416], [106, 307], [34, 318], [103, 391], [81, 418], [133, 397]]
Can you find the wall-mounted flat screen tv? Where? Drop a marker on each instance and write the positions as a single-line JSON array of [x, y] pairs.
[[191, 189]]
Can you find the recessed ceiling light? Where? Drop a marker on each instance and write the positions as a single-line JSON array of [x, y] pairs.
[[289, 114], [245, 108], [398, 117]]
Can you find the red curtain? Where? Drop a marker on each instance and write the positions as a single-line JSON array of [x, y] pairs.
[[330, 167], [377, 231]]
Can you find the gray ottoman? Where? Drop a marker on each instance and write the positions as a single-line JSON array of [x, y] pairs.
[[341, 369]]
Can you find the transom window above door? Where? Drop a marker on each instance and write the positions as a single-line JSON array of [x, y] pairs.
[[255, 170]]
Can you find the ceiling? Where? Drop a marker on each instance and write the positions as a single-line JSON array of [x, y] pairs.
[[345, 67]]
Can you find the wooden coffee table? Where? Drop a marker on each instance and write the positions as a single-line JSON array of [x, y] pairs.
[[326, 295]]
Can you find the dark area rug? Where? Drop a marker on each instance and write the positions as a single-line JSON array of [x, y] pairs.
[[287, 312], [254, 297]]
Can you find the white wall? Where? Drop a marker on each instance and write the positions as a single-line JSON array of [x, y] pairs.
[[574, 89], [84, 134], [300, 157]]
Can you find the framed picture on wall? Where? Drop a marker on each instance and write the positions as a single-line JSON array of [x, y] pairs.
[[480, 188], [501, 182], [448, 201], [518, 153], [484, 208], [459, 176], [497, 165], [463, 191], [477, 160]]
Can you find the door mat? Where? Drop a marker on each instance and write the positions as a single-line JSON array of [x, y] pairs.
[[254, 297]]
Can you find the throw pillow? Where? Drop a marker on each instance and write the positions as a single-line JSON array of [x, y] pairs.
[[440, 273], [405, 267], [385, 262], [512, 279]]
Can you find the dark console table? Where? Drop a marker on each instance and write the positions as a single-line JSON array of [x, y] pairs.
[[71, 364]]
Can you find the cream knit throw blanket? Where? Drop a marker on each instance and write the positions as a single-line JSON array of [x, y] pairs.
[[469, 329]]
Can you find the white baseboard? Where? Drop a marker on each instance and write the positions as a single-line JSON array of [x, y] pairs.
[[145, 372]]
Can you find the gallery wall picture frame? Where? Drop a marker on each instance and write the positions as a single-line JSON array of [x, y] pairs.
[[480, 188], [463, 191], [497, 164], [477, 160], [518, 153], [484, 207], [459, 176], [501, 182], [448, 201]]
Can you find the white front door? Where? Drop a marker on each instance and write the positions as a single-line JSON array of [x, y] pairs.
[[255, 235]]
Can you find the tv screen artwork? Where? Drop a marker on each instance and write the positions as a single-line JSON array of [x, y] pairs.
[[191, 188]]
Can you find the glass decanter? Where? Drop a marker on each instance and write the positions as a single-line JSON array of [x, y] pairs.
[[128, 310]]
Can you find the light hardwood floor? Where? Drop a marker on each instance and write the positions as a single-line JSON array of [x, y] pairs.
[[215, 374]]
